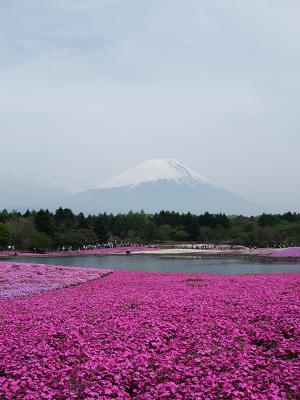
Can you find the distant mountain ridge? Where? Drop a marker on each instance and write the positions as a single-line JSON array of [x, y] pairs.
[[20, 197], [160, 184]]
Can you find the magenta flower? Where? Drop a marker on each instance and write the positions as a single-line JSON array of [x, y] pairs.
[[139, 335]]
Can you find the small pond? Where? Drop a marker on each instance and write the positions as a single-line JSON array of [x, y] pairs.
[[167, 264]]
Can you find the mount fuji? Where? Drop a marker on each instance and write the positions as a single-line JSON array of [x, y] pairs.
[[160, 184]]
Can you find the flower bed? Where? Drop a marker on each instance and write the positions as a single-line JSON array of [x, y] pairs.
[[91, 252], [287, 252], [24, 279], [7, 253], [139, 335]]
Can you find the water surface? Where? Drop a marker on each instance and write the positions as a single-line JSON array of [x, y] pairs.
[[167, 264]]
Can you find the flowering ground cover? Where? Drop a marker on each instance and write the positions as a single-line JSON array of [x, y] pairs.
[[141, 335], [24, 279], [96, 252], [6, 253], [287, 252], [265, 252]]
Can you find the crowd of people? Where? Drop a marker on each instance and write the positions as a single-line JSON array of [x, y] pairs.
[[108, 245], [208, 247], [193, 246]]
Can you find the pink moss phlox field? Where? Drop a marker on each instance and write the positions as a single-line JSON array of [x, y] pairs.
[[26, 279], [7, 253], [139, 335], [288, 252], [101, 251]]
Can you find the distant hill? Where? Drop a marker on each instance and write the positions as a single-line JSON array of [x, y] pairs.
[[22, 196]]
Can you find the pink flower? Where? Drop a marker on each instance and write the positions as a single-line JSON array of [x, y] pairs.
[[138, 335]]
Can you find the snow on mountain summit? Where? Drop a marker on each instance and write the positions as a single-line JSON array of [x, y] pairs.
[[155, 170], [160, 184]]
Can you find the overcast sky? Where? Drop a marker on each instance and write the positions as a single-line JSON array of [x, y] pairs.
[[89, 88]]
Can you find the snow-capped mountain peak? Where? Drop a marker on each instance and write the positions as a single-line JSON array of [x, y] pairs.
[[160, 184], [152, 171]]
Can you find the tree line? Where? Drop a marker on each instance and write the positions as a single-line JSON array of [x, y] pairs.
[[44, 230]]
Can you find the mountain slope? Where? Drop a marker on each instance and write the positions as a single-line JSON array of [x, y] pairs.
[[160, 184], [23, 196]]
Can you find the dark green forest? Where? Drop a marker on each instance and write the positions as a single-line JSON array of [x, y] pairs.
[[43, 230]]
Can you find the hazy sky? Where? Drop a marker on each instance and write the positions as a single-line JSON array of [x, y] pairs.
[[91, 87]]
